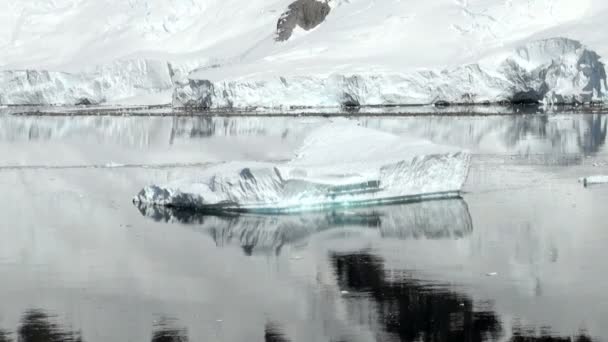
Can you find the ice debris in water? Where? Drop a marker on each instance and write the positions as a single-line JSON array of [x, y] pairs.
[[339, 164], [594, 180]]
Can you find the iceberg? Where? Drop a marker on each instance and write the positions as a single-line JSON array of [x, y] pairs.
[[594, 180], [340, 164], [267, 234]]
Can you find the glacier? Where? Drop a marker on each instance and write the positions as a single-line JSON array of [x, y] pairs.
[[305, 53], [552, 71], [340, 164]]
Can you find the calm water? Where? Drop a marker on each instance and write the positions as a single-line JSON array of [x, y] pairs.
[[522, 257]]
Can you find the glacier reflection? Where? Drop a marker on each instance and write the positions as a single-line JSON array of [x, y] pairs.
[[267, 234], [533, 133]]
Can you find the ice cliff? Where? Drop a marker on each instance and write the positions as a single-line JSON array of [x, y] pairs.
[[281, 53], [555, 71]]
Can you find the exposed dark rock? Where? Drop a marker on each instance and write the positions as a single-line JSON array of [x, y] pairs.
[[197, 94], [349, 101], [84, 102], [591, 67], [526, 97], [442, 103], [307, 14]]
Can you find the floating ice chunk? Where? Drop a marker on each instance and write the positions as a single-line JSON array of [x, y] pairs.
[[112, 165], [339, 165], [594, 180]]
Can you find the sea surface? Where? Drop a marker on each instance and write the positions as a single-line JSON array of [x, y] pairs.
[[523, 256]]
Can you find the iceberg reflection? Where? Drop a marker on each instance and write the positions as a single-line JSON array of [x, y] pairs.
[[441, 219]]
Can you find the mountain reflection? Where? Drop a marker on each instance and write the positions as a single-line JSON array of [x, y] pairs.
[[166, 331], [548, 338], [413, 310], [38, 326], [530, 133], [527, 134], [274, 333], [267, 234], [410, 310], [4, 336], [595, 137]]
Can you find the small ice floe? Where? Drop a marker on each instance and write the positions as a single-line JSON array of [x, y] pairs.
[[296, 257], [113, 165], [594, 180], [492, 274]]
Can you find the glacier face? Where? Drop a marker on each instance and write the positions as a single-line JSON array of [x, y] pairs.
[[224, 54], [339, 164], [119, 82], [556, 71]]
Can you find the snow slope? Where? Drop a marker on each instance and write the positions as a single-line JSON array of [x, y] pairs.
[[223, 53]]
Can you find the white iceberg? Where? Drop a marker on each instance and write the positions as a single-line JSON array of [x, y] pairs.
[[594, 180], [339, 165]]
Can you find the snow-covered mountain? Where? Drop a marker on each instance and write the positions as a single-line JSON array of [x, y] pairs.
[[260, 53]]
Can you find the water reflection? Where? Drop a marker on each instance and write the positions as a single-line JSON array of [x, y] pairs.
[[409, 309], [274, 333], [595, 137], [532, 133], [530, 334], [522, 134], [267, 234], [38, 326], [4, 336], [166, 331]]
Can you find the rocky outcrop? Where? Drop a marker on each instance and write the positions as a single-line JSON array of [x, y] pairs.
[[552, 71], [306, 14]]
